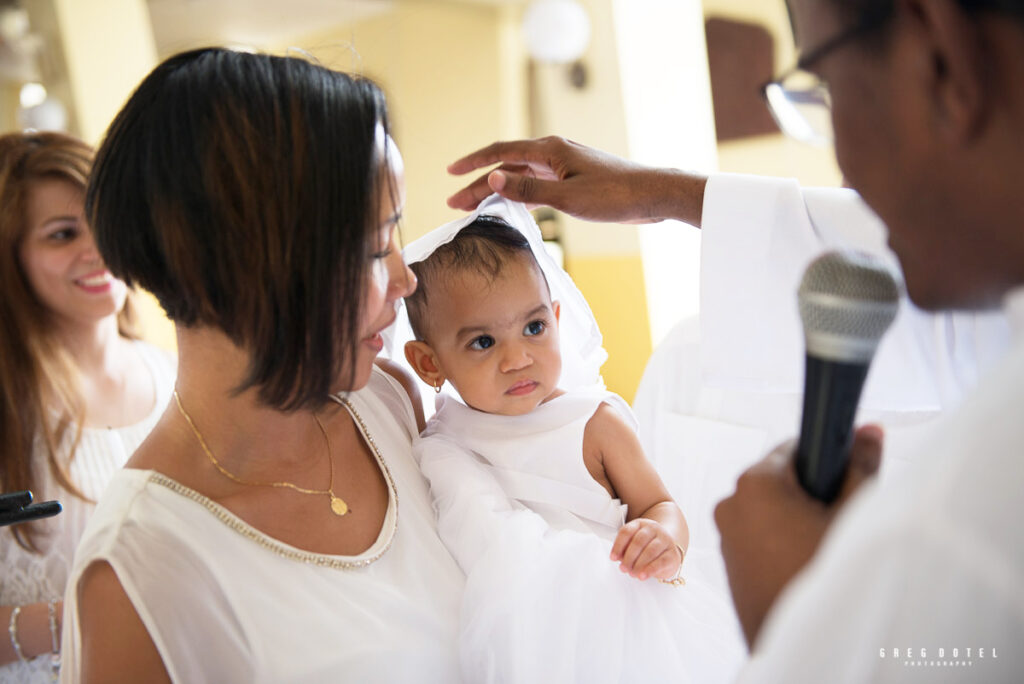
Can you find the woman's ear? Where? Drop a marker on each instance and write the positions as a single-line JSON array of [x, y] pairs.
[[423, 360], [557, 308]]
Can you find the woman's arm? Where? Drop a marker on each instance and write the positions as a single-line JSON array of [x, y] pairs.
[[647, 544], [32, 630], [115, 644]]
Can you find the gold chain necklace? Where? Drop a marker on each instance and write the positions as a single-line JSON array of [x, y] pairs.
[[338, 505]]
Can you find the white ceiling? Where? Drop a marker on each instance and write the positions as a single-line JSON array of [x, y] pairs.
[[183, 24]]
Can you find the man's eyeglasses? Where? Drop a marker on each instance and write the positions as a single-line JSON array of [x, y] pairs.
[[799, 100]]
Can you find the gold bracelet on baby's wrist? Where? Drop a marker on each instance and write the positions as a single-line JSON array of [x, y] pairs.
[[677, 579]]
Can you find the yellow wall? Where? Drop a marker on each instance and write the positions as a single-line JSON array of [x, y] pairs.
[[453, 81], [614, 288], [773, 155], [108, 48], [9, 100]]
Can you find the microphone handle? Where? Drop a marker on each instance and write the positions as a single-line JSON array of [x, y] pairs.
[[831, 392]]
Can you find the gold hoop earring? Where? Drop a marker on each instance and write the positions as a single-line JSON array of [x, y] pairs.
[[437, 386]]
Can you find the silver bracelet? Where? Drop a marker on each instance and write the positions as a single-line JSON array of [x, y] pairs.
[[12, 630], [51, 611]]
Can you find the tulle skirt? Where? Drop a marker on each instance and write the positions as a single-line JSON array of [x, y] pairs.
[[547, 606]]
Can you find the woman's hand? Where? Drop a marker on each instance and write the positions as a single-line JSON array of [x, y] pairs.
[[645, 549], [581, 181]]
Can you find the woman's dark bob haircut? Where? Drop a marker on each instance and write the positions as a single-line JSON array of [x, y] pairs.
[[241, 189]]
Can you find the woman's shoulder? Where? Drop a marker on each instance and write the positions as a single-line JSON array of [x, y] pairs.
[[387, 394], [157, 535], [111, 532], [129, 502], [170, 558]]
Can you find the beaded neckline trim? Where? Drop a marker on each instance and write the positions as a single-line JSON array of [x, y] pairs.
[[249, 532]]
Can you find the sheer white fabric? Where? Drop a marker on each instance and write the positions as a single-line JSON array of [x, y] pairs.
[[533, 531], [34, 577], [935, 564], [225, 603]]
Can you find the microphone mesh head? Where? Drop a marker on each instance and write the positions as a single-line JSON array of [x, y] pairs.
[[847, 301]]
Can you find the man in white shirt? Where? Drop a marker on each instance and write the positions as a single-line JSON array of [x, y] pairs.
[[922, 582]]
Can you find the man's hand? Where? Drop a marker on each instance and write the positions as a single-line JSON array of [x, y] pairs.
[[581, 181], [771, 527]]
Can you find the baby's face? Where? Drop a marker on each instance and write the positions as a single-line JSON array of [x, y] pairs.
[[497, 341]]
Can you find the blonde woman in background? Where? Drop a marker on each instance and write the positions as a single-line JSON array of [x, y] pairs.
[[78, 393]]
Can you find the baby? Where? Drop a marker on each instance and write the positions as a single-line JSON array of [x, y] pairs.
[[485, 321], [538, 476]]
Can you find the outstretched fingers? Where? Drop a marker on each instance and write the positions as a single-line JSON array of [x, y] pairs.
[[519, 185], [514, 153], [469, 197]]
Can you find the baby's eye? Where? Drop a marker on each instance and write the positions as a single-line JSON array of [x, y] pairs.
[[534, 328], [482, 342]]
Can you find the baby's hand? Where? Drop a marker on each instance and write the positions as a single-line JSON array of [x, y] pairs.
[[646, 549]]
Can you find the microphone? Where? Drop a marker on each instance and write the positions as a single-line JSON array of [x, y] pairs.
[[847, 301]]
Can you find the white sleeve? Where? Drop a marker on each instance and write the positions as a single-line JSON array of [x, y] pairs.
[[758, 236], [173, 590], [878, 603]]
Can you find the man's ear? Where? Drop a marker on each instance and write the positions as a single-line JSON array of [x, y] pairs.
[[956, 63], [421, 357]]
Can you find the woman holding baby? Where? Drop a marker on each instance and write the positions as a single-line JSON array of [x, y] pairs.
[[275, 526]]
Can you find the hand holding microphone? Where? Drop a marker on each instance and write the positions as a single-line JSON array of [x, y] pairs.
[[770, 527], [847, 301]]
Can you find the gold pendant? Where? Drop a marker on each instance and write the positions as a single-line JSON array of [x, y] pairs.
[[338, 506]]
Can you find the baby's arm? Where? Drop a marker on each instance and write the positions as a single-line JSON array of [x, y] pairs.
[[653, 541]]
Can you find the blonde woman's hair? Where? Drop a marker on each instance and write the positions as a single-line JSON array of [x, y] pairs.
[[41, 406]]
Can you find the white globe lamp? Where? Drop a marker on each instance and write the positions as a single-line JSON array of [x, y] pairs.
[[556, 31]]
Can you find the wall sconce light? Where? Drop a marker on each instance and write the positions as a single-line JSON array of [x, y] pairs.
[[41, 111], [31, 95], [556, 31]]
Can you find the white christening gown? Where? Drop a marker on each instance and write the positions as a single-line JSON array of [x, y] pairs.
[[533, 532]]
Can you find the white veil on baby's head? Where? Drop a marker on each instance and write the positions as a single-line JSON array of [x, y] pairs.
[[580, 338]]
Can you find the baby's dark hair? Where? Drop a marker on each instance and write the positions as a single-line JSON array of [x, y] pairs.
[[484, 246]]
